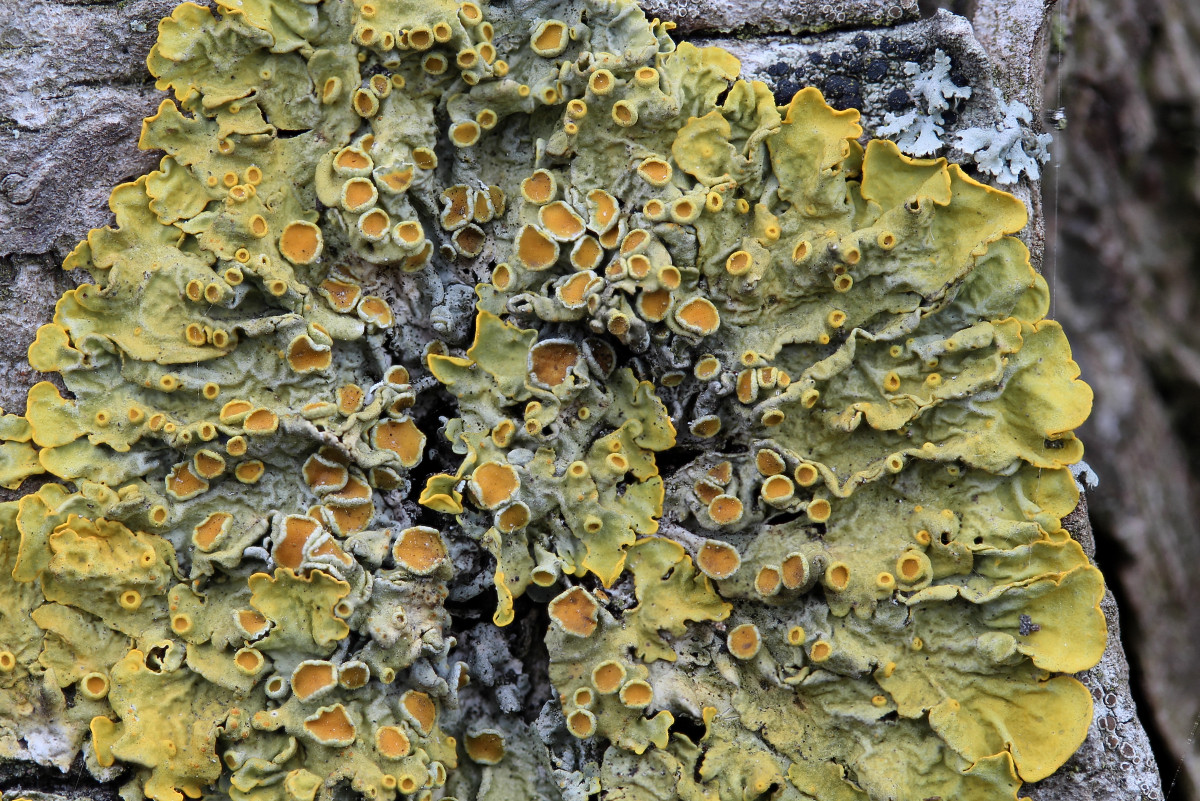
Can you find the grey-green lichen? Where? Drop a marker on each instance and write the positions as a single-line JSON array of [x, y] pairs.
[[762, 431]]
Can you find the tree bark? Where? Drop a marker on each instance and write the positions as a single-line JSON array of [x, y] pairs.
[[1125, 268]]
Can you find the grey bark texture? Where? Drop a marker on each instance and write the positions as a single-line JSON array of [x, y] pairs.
[[74, 89]]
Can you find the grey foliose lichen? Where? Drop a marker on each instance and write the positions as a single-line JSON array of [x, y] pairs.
[[1007, 150]]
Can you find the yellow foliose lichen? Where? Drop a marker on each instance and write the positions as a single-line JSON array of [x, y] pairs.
[[493, 402]]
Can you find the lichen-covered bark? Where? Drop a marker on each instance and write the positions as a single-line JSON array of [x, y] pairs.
[[87, 92], [73, 92]]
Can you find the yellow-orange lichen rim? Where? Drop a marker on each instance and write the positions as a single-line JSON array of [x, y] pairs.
[[586, 254], [352, 161], [574, 291], [699, 316], [636, 694], [635, 242], [350, 398], [581, 723], [249, 661], [801, 251], [769, 462], [313, 677], [739, 263], [725, 510], [685, 210], [546, 574], [469, 241], [583, 697], [601, 82], [718, 560], [392, 742], [540, 187], [575, 611], [249, 472], [485, 747], [837, 576], [420, 710], [806, 475], [768, 581], [794, 571], [561, 221], [707, 367], [705, 427], [206, 534], [401, 437], [654, 305], [365, 103], [778, 490], [354, 674], [603, 209], [494, 484], [535, 250], [306, 356], [420, 549], [208, 464], [261, 421], [608, 676], [322, 474], [550, 38], [551, 360], [331, 725], [502, 277], [92, 686], [289, 549], [820, 651], [425, 158], [396, 181], [301, 242], [744, 641], [359, 194], [181, 623], [130, 600], [912, 567], [655, 171], [375, 225], [706, 490], [819, 510], [251, 622], [183, 484], [194, 334], [465, 134]]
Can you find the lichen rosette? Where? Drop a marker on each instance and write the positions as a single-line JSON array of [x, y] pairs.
[[444, 328]]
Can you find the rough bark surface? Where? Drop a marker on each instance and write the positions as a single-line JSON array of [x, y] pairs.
[[74, 88], [778, 16]]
